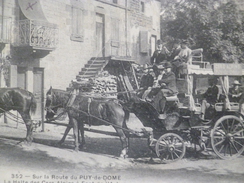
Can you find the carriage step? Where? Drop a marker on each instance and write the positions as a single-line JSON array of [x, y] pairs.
[[78, 77], [100, 58], [91, 69], [94, 65], [96, 62], [88, 72]]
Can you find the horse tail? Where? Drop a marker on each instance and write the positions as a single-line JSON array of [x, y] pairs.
[[33, 104]]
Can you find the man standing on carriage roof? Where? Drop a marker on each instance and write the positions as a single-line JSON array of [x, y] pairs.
[[160, 56], [182, 59]]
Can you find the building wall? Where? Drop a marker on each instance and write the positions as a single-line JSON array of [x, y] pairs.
[[65, 62]]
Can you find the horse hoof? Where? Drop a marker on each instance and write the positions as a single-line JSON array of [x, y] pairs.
[[124, 156], [59, 144], [81, 147], [76, 149]]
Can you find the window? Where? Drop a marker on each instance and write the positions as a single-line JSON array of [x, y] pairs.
[[115, 1], [142, 6], [77, 24], [5, 24], [115, 32]]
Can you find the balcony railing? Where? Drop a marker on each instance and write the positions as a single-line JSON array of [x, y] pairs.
[[5, 29], [37, 34]]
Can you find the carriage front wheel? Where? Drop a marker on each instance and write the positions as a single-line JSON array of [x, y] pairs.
[[170, 147], [227, 137]]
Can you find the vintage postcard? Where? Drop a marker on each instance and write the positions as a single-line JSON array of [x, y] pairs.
[[121, 91]]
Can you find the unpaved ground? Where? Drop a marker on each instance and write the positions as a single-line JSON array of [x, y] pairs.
[[45, 162]]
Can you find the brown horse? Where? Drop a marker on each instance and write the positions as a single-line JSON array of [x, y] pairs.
[[85, 110], [22, 101]]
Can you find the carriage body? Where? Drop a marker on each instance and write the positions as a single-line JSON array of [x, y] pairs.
[[221, 132]]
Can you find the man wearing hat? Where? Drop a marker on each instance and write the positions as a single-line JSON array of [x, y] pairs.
[[146, 81], [210, 97], [182, 59], [161, 54], [235, 92], [168, 88]]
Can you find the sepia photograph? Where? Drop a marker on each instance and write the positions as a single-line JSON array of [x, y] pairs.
[[121, 91]]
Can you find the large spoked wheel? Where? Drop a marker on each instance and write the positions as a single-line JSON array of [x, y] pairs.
[[170, 147], [227, 137]]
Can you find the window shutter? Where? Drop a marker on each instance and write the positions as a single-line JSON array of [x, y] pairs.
[[144, 46]]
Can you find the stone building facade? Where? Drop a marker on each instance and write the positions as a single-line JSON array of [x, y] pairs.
[[49, 41]]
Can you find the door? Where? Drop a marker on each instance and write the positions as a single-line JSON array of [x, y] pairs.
[[100, 36], [38, 91], [153, 44], [22, 77]]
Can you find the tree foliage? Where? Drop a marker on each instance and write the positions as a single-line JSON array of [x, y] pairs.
[[214, 25]]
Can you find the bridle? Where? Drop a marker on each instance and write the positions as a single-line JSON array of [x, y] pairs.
[[51, 108]]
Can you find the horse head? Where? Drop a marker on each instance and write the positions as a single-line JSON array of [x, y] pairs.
[[51, 110]]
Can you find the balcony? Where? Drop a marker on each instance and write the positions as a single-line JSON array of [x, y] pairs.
[[5, 29], [39, 35]]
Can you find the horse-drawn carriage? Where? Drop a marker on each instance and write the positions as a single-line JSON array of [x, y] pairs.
[[223, 132]]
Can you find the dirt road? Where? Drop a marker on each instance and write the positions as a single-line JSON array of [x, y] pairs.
[[45, 162]]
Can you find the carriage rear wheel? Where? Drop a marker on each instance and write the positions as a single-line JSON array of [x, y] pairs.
[[170, 147], [227, 137]]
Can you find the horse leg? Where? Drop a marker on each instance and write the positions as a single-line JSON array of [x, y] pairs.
[[124, 143], [76, 133], [81, 130], [66, 133], [29, 126]]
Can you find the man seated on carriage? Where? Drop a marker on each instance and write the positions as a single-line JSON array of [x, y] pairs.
[[235, 92], [210, 97], [146, 82], [167, 88]]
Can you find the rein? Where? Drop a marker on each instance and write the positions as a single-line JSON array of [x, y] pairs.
[[105, 121]]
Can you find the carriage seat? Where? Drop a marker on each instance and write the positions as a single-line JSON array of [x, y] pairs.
[[173, 98], [220, 106]]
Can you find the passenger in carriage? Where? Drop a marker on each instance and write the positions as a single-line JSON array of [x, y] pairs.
[[146, 82], [176, 49], [167, 88], [235, 92], [182, 59], [210, 97]]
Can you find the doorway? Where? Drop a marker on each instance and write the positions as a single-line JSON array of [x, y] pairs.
[[100, 35], [153, 44], [38, 91]]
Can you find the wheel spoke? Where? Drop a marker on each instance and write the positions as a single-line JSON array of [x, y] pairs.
[[223, 128], [172, 156], [221, 148], [234, 146], [220, 142], [230, 148], [220, 132], [238, 131], [228, 126], [176, 154], [238, 125], [232, 124], [238, 143], [225, 149], [178, 150], [218, 137]]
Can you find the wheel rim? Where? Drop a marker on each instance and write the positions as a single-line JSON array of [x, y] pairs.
[[170, 147], [227, 137]]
